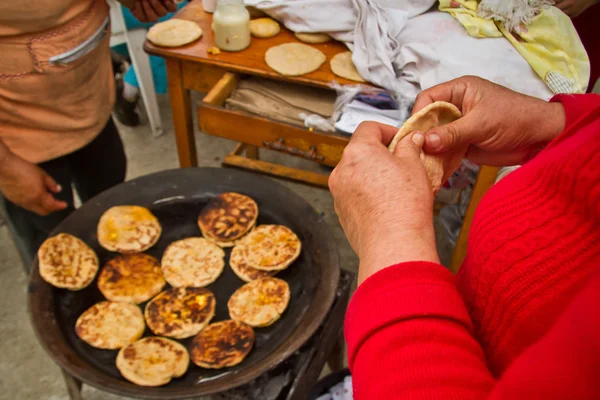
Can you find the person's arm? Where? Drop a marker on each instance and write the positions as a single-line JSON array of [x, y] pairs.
[[27, 185], [149, 10], [409, 337]]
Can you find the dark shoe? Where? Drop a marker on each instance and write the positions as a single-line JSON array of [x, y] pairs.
[[125, 110]]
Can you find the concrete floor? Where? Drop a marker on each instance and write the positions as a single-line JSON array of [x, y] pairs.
[[25, 370]]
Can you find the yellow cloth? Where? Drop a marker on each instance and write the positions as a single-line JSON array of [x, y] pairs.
[[549, 43]]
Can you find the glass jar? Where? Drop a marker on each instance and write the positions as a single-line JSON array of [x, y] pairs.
[[231, 25]]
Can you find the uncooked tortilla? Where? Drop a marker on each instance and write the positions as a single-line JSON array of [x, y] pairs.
[[293, 59], [313, 38], [264, 27], [438, 167], [174, 33], [341, 64]]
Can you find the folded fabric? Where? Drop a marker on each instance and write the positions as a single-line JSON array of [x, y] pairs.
[[549, 43], [405, 46], [340, 391], [281, 101]]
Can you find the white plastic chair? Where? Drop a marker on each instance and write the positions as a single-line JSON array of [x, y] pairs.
[[134, 40]]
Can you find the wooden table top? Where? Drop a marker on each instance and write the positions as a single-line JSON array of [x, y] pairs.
[[250, 60]]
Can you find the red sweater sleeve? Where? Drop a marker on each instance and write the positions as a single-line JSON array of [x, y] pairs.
[[410, 336], [579, 108], [418, 345]]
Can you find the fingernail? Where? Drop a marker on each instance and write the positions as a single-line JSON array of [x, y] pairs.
[[58, 188], [434, 140], [418, 138]]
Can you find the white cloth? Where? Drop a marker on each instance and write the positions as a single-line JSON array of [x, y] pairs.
[[402, 47], [340, 391]]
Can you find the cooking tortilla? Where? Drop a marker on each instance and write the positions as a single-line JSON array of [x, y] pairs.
[[259, 303], [67, 262], [227, 218], [131, 278], [438, 167], [110, 325], [222, 344], [128, 229], [192, 261], [153, 361], [180, 312], [271, 247], [243, 270]]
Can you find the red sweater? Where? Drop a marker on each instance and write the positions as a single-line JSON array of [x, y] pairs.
[[521, 320]]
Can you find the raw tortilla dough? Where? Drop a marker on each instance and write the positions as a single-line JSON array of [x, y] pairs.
[[439, 167], [341, 65], [174, 33], [313, 38], [264, 27], [293, 59]]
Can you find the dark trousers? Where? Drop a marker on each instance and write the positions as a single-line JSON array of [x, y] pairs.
[[90, 170]]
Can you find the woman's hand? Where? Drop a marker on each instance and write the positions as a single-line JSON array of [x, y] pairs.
[[152, 10], [383, 200], [574, 7], [28, 186], [502, 127]]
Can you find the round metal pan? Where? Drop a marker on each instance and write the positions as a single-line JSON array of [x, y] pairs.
[[176, 198]]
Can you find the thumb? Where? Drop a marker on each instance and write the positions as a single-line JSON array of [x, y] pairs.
[[49, 204], [446, 137], [410, 146], [51, 184]]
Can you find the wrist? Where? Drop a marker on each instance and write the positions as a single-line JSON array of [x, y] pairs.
[[550, 123], [555, 121], [388, 249]]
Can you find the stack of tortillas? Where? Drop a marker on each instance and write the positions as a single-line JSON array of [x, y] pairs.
[[438, 167], [174, 33]]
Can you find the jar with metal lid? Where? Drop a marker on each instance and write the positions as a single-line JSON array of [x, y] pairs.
[[231, 25]]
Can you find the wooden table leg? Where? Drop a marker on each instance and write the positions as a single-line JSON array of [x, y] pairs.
[[336, 358], [485, 180], [183, 122], [73, 386]]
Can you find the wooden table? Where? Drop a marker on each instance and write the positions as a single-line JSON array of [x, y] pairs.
[[193, 68]]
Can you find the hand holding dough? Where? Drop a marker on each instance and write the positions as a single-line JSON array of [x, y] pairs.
[[439, 167]]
